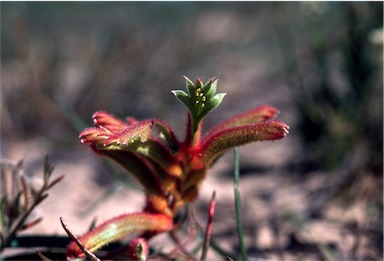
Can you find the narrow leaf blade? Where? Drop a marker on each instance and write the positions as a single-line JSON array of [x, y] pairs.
[[183, 97], [239, 222], [215, 101]]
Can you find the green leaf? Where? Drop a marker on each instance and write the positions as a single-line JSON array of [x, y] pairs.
[[210, 105], [190, 86], [48, 169], [210, 88], [214, 102], [183, 97]]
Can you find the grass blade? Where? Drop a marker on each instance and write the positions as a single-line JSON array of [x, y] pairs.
[[239, 223]]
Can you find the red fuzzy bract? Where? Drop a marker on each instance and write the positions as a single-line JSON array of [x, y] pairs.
[[117, 228]]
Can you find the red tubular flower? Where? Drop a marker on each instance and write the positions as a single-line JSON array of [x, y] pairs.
[[118, 228]]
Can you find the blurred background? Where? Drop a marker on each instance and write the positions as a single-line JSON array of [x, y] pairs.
[[317, 194]]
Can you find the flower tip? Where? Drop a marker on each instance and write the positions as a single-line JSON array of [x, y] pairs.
[[83, 136], [269, 111], [97, 115], [285, 129], [187, 80]]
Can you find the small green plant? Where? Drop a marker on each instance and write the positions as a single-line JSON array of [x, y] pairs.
[[19, 198], [170, 171]]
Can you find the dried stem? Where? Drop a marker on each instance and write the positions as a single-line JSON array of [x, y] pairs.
[[208, 230], [20, 222], [74, 238]]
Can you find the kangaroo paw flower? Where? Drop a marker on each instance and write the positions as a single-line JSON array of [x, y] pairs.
[[118, 228]]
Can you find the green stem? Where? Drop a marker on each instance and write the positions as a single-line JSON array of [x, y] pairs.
[[239, 224]]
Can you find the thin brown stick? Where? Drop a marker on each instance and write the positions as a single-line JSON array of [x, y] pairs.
[[25, 193], [180, 246], [80, 244], [54, 182], [42, 257], [31, 223]]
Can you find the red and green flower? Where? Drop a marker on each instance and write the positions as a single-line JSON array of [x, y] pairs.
[[169, 170]]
